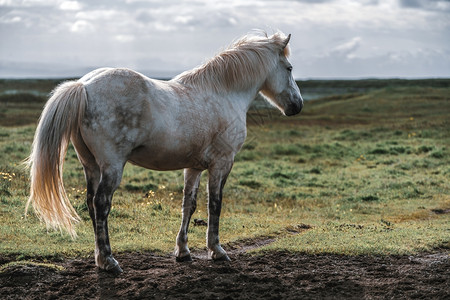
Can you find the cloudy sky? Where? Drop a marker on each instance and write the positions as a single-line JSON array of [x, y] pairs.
[[330, 38]]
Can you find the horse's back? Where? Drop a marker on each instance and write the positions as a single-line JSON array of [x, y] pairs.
[[117, 82]]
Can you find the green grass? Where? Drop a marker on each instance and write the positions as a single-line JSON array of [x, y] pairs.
[[28, 263], [365, 171]]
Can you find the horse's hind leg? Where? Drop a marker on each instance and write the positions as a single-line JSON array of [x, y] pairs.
[[102, 180], [191, 183], [110, 180]]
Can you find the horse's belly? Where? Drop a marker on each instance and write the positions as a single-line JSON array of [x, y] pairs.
[[165, 160]]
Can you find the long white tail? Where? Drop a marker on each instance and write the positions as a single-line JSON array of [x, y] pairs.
[[61, 117]]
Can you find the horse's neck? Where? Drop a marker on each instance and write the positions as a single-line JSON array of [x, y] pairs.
[[241, 100]]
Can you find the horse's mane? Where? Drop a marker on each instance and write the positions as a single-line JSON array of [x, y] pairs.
[[250, 57]]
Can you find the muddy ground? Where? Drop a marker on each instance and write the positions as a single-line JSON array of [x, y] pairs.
[[272, 275]]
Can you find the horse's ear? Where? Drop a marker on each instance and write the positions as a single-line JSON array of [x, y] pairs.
[[286, 41]]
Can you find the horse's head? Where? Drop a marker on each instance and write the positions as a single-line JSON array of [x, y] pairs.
[[280, 87]]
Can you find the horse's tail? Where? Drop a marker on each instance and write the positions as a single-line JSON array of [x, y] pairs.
[[61, 118]]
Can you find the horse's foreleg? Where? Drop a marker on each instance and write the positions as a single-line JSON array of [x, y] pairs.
[[102, 205], [217, 179], [191, 183]]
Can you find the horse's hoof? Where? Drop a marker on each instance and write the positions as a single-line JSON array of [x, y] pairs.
[[113, 271], [222, 258], [186, 258], [116, 270], [112, 266]]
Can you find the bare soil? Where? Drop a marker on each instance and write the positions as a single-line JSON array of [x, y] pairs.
[[271, 275]]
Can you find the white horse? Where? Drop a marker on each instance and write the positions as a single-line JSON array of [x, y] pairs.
[[196, 121]]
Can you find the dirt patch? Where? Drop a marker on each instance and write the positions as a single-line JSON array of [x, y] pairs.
[[273, 275]]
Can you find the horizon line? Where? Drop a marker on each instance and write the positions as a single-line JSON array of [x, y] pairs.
[[296, 79]]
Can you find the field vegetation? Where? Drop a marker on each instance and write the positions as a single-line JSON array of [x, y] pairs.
[[363, 170]]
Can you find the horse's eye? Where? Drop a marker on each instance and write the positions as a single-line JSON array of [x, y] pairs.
[[289, 68]]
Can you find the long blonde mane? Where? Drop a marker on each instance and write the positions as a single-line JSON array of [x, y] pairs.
[[236, 68]]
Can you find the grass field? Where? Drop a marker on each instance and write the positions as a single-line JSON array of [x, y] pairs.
[[362, 171]]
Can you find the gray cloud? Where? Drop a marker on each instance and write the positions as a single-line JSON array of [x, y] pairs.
[[347, 49], [437, 5]]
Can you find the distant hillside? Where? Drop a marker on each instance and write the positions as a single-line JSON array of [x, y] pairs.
[[310, 89]]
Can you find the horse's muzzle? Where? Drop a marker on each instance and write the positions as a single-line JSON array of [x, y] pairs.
[[294, 108]]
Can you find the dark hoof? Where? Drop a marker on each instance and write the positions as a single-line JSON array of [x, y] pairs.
[[115, 270], [222, 259], [186, 258]]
